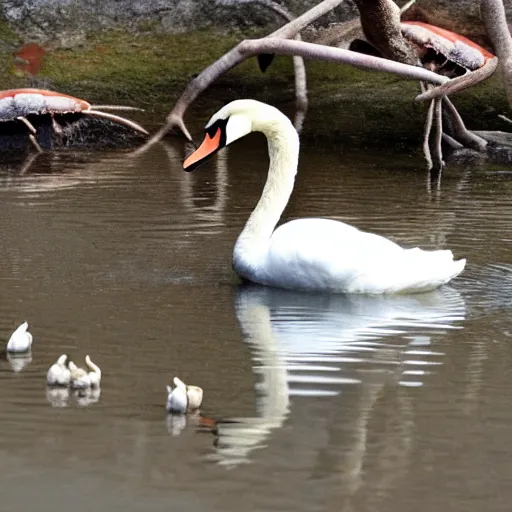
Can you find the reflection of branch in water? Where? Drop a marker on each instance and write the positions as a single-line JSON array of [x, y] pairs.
[[358, 478], [64, 169], [210, 215], [477, 356]]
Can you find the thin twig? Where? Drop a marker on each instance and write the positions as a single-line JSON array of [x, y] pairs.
[[460, 132], [407, 6], [437, 151]]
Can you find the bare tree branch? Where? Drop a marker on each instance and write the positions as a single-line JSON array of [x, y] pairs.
[[461, 82], [251, 47], [495, 21], [407, 6], [344, 31], [426, 134], [380, 20], [301, 90], [298, 24], [460, 132], [437, 152]]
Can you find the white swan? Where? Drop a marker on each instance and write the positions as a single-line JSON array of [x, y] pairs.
[[20, 340], [82, 379], [59, 374], [183, 398], [312, 253], [79, 378], [94, 374]]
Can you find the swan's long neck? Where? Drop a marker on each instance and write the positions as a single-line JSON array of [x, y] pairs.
[[283, 148], [93, 367]]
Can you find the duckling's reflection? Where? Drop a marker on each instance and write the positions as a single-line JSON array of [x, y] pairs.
[[57, 396], [86, 397], [60, 396], [314, 344]]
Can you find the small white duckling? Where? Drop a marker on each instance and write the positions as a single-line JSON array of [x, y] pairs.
[[20, 340], [79, 378], [59, 374], [94, 374], [183, 398]]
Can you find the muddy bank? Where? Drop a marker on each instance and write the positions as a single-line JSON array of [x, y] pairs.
[[346, 105]]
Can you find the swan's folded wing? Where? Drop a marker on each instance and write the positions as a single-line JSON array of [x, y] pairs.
[[326, 254]]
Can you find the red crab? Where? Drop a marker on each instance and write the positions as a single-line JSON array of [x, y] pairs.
[[18, 104]]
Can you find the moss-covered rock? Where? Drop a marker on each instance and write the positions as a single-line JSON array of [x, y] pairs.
[[346, 104]]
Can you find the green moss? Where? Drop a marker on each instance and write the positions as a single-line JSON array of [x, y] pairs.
[[7, 35], [151, 71], [8, 40]]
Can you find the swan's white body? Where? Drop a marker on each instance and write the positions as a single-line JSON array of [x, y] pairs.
[[183, 398], [20, 340], [94, 373], [314, 253], [82, 379], [79, 378], [59, 374]]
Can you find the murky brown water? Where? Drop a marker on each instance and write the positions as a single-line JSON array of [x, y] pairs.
[[322, 402]]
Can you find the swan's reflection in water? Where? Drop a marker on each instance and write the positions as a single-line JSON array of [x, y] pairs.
[[315, 344], [18, 362]]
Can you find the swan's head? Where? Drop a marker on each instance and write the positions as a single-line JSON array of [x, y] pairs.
[[62, 360], [230, 123]]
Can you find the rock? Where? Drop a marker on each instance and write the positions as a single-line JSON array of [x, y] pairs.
[[67, 22]]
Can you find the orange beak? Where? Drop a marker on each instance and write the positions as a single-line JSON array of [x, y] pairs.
[[207, 147]]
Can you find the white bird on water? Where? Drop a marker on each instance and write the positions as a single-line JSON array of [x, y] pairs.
[[183, 398], [83, 379], [79, 378], [311, 253], [59, 374], [94, 373], [20, 340]]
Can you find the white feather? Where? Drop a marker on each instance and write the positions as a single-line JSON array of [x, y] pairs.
[[20, 340], [79, 377], [59, 374], [94, 373]]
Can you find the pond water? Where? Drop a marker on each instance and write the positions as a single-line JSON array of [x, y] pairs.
[[312, 402]]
